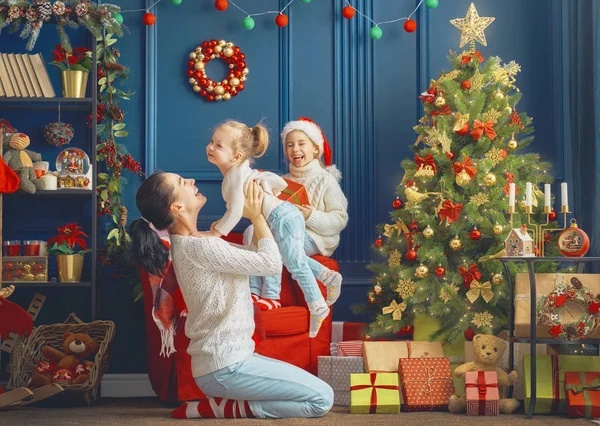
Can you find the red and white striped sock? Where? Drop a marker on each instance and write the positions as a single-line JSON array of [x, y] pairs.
[[213, 408], [268, 304], [255, 297]]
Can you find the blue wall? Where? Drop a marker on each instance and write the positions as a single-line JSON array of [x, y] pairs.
[[362, 93]]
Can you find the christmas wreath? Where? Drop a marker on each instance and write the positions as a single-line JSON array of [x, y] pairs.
[[551, 306], [230, 86]]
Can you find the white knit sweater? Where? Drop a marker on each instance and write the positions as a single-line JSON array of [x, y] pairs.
[[330, 207], [213, 277]]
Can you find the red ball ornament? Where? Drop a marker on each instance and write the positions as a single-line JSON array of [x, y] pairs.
[[397, 204], [281, 20], [378, 242], [411, 255], [464, 131], [410, 26], [504, 153], [221, 5], [475, 234], [190, 73], [148, 18], [552, 216], [573, 242], [348, 12], [371, 298], [440, 271], [469, 334], [466, 85]]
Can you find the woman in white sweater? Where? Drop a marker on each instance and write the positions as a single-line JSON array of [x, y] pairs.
[[213, 277]]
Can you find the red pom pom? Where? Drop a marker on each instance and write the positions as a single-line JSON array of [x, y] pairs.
[[410, 26], [411, 255], [466, 84], [469, 334], [348, 12], [281, 20], [148, 19], [221, 5]]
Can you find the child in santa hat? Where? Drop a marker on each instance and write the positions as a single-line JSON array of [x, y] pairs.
[[326, 216]]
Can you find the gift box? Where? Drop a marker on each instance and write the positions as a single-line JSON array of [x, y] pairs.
[[483, 397], [384, 356], [583, 394], [342, 331], [352, 348], [295, 193], [374, 393], [550, 379], [545, 284], [426, 383], [336, 372]]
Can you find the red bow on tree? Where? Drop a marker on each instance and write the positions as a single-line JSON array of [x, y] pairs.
[[450, 211], [428, 160], [444, 111], [429, 96], [467, 166], [469, 274], [510, 178], [479, 128], [477, 55]]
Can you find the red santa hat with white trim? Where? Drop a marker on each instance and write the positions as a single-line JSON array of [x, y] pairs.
[[316, 135]]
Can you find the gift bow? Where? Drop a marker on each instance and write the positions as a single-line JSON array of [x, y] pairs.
[[483, 386], [477, 55], [373, 387], [395, 309], [428, 160], [477, 289], [467, 166], [450, 211], [444, 111], [593, 385], [479, 128], [469, 274]]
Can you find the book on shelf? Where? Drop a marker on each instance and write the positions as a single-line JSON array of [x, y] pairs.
[[11, 76], [18, 75], [5, 81], [24, 75], [42, 74], [31, 73]]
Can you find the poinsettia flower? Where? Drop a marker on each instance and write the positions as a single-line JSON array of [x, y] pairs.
[[59, 53], [70, 234]]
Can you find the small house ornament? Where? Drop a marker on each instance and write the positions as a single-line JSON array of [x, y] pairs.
[[519, 243]]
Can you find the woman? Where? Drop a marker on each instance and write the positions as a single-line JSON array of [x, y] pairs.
[[213, 277]]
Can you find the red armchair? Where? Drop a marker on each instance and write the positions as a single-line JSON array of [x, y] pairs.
[[286, 339]]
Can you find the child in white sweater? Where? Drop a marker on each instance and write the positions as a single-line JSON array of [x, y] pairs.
[[232, 146]]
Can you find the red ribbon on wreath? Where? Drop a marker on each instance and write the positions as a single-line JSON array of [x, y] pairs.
[[477, 55], [450, 211], [479, 128], [428, 160], [467, 166], [444, 111], [469, 274], [429, 96]]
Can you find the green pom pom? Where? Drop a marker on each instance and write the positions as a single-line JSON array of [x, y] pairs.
[[432, 4], [175, 2], [305, 1], [248, 23], [376, 33], [118, 17]]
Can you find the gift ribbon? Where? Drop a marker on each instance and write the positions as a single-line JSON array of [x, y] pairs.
[[429, 96], [469, 274], [483, 386], [373, 387], [467, 166], [450, 211], [467, 58], [479, 128], [430, 377], [293, 195], [428, 160], [444, 111], [585, 388], [477, 289]]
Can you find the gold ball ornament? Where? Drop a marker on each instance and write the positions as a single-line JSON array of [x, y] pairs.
[[196, 88], [231, 66], [463, 178], [455, 243], [227, 96], [490, 179], [193, 55], [422, 271], [229, 44], [209, 89], [198, 50], [219, 90], [218, 49], [498, 229], [200, 56], [242, 78], [497, 279], [199, 65], [218, 97], [428, 232], [234, 81], [192, 81], [245, 71], [523, 204], [512, 144], [440, 101], [222, 43], [508, 110], [228, 51], [499, 96]]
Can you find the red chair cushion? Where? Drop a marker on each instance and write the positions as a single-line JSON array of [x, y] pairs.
[[285, 321]]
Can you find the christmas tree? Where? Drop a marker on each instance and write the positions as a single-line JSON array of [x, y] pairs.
[[449, 223]]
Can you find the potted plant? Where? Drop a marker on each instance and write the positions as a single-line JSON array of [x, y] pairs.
[[68, 259], [75, 66]]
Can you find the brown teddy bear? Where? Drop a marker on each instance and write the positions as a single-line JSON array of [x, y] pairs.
[[21, 161], [488, 354], [68, 367]]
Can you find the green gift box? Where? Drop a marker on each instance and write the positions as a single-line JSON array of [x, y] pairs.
[[550, 379], [374, 393]]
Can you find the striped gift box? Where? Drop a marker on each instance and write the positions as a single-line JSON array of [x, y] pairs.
[[350, 348]]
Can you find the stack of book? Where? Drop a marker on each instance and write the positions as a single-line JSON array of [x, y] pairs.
[[24, 75]]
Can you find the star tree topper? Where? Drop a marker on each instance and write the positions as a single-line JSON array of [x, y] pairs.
[[472, 27]]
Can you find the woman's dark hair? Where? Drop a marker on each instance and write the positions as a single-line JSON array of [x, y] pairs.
[[153, 200]]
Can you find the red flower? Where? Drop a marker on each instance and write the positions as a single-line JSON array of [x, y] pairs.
[[70, 234], [59, 53], [594, 308], [556, 330], [560, 300]]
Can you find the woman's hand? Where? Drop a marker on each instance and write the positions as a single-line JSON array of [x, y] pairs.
[[306, 210], [253, 201]]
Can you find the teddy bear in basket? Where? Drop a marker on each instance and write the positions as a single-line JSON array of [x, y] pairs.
[[70, 367], [21, 161]]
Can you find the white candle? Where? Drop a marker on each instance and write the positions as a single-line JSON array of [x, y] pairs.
[[528, 194], [547, 195], [565, 195], [511, 195]]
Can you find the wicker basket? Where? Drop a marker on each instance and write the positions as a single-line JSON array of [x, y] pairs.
[[51, 335]]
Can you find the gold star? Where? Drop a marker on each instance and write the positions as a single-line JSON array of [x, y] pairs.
[[472, 27], [445, 142], [476, 80]]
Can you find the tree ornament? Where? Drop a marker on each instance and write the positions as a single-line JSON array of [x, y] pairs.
[[394, 258], [440, 101], [406, 288], [497, 279], [499, 96], [378, 242], [455, 243], [397, 203], [508, 110], [463, 178], [148, 18], [498, 229], [348, 12], [428, 232], [411, 255], [472, 27], [371, 298], [504, 153], [118, 17], [552, 216], [410, 26], [469, 334], [573, 242], [376, 33], [512, 143], [377, 289], [466, 84], [248, 23], [475, 234], [175, 2], [440, 271], [221, 4], [450, 154], [281, 20], [489, 179], [464, 130], [432, 4], [422, 271]]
